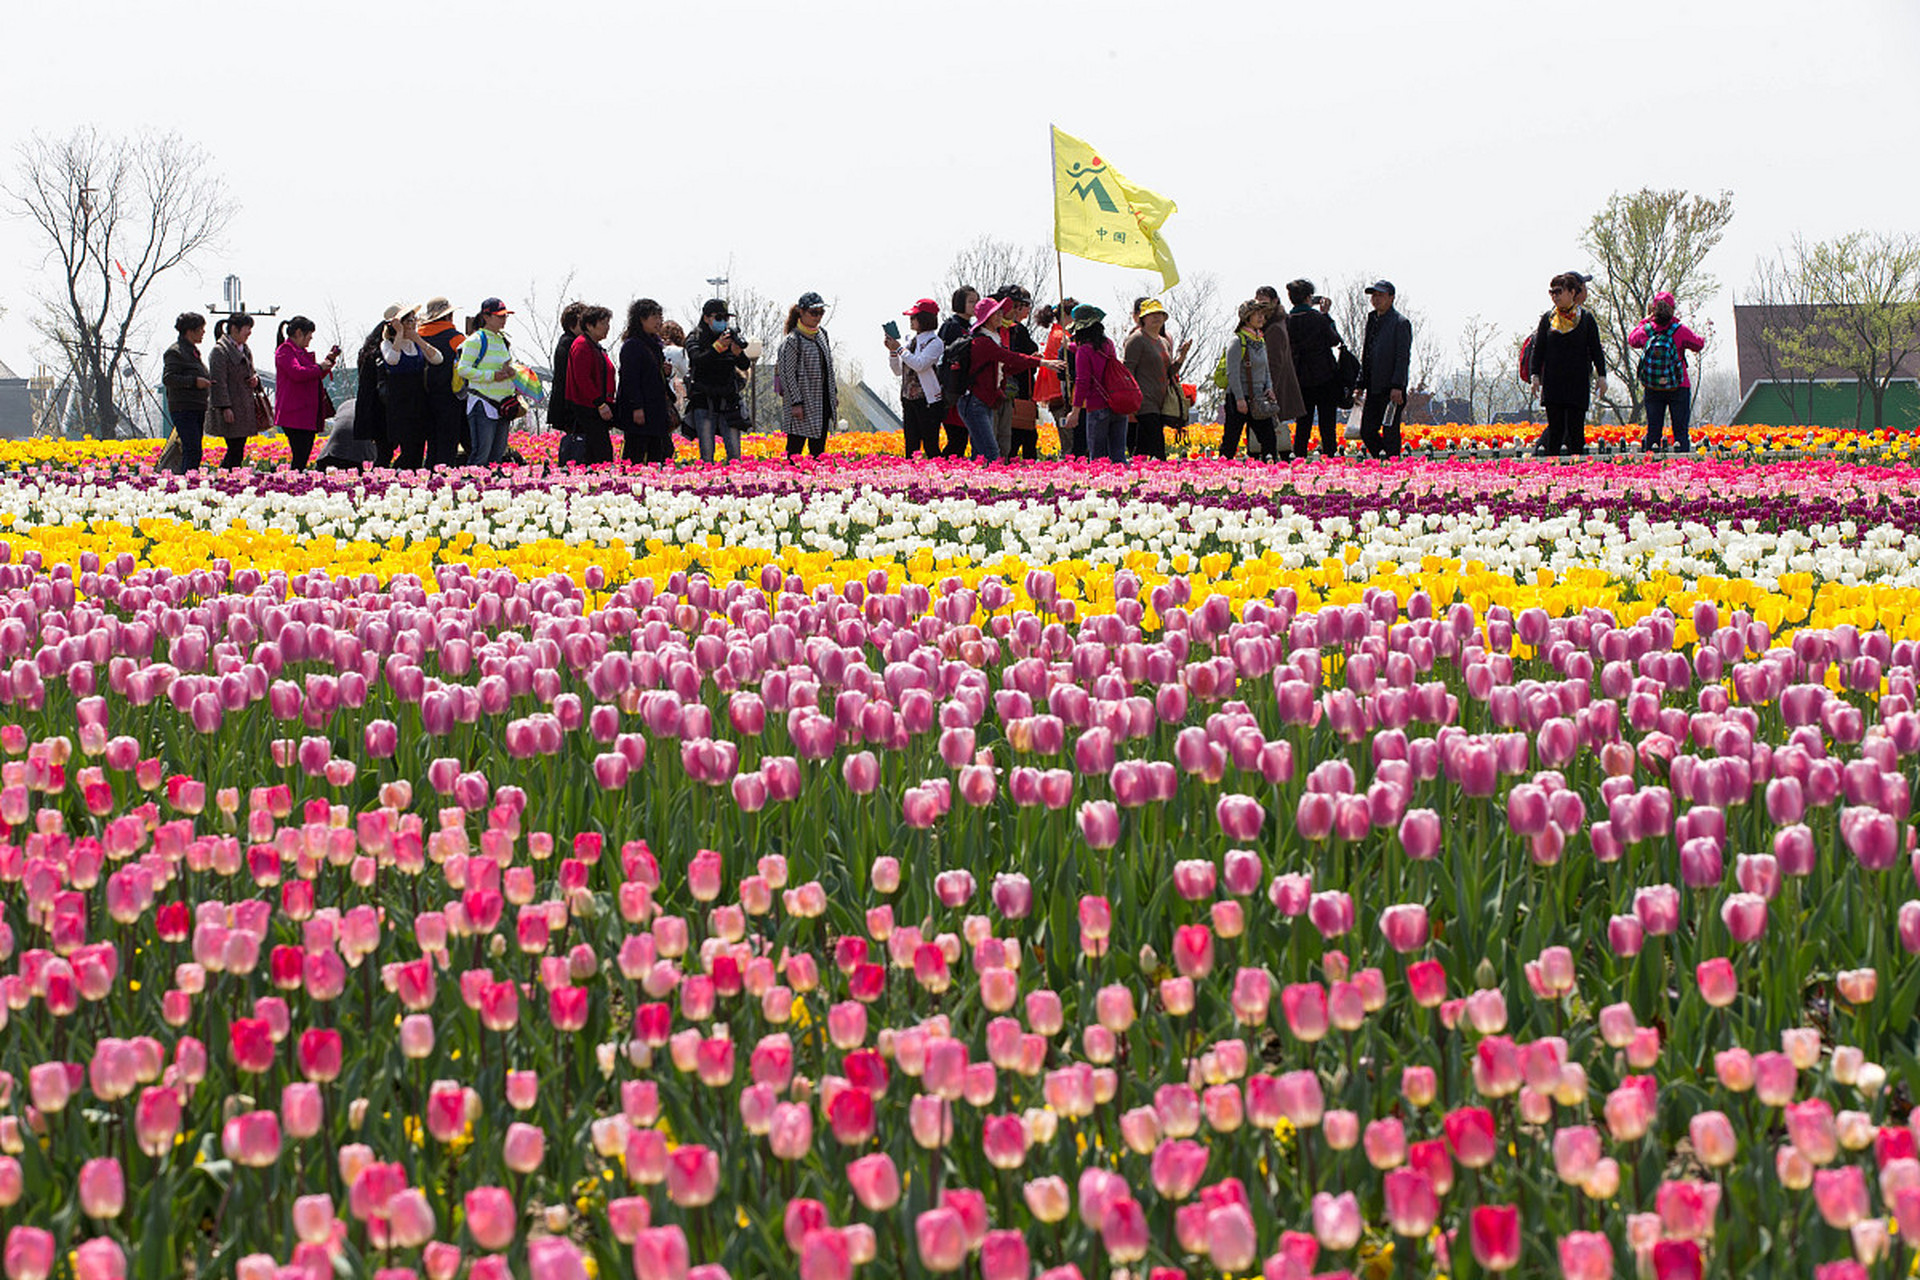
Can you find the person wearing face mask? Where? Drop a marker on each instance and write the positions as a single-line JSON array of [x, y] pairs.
[[716, 357], [1566, 349]]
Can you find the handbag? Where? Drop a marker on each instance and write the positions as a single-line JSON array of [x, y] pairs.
[[512, 409], [1262, 407], [262, 410], [1026, 415], [1347, 373]]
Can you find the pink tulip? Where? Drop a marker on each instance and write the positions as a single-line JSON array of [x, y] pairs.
[[491, 1217], [103, 1189], [1004, 1256], [875, 1182], [660, 1253], [100, 1258], [941, 1239], [1586, 1255], [1404, 925], [1687, 1208], [1336, 1220], [1412, 1207]]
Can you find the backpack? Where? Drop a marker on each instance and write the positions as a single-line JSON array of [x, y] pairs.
[[1662, 368], [956, 368], [1220, 371], [460, 383], [1118, 388], [1526, 359]]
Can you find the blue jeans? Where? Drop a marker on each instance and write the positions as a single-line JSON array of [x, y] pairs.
[[1106, 434], [979, 420], [1678, 401], [708, 423], [486, 436]]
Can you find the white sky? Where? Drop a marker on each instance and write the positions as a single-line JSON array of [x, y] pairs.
[[394, 151]]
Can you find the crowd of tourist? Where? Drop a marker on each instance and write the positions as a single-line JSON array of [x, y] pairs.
[[973, 383]]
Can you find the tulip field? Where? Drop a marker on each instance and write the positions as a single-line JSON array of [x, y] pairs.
[[886, 869]]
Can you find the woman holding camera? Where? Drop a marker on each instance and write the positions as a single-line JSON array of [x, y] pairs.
[[404, 357], [805, 374], [187, 381], [716, 359], [231, 370], [297, 377], [486, 366], [640, 408]]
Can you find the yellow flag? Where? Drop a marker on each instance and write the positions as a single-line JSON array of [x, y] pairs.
[[1098, 214]]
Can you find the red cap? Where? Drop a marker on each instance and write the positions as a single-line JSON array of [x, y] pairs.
[[926, 306]]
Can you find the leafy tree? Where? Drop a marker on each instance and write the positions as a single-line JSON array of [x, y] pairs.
[[1843, 307], [1641, 244], [115, 215]]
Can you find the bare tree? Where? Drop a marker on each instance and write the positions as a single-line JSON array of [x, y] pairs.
[[1478, 349], [116, 214], [1851, 310], [989, 263], [1642, 244]]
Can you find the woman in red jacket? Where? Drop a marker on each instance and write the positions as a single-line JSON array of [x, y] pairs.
[[591, 385], [296, 387]]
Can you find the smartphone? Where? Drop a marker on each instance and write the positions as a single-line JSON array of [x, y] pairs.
[[892, 329]]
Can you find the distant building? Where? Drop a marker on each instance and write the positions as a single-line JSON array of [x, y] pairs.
[[1774, 391], [16, 406]]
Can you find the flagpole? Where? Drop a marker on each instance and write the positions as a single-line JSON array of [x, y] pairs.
[[1059, 261]]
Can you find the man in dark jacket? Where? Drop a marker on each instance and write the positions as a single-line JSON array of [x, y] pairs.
[[1384, 362], [560, 410]]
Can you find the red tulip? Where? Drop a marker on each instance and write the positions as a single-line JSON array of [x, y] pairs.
[[1677, 1260], [1494, 1231]]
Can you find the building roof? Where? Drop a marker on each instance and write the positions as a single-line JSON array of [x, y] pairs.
[[6, 374]]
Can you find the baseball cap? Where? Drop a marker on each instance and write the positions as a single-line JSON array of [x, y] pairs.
[[924, 307], [716, 307], [811, 301], [1382, 286], [1152, 307], [494, 307]]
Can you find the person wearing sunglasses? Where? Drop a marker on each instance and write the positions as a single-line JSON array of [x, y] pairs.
[[1566, 349], [804, 373]]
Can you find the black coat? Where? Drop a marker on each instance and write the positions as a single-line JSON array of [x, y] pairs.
[[369, 410], [1313, 338], [1020, 338], [643, 386], [713, 380], [561, 413], [1388, 353], [181, 369], [1562, 361]]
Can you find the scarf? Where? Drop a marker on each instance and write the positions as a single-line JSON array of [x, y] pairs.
[[1564, 321], [1253, 335], [811, 333]]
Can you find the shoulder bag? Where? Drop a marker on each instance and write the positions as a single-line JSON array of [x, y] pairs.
[[1262, 407]]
